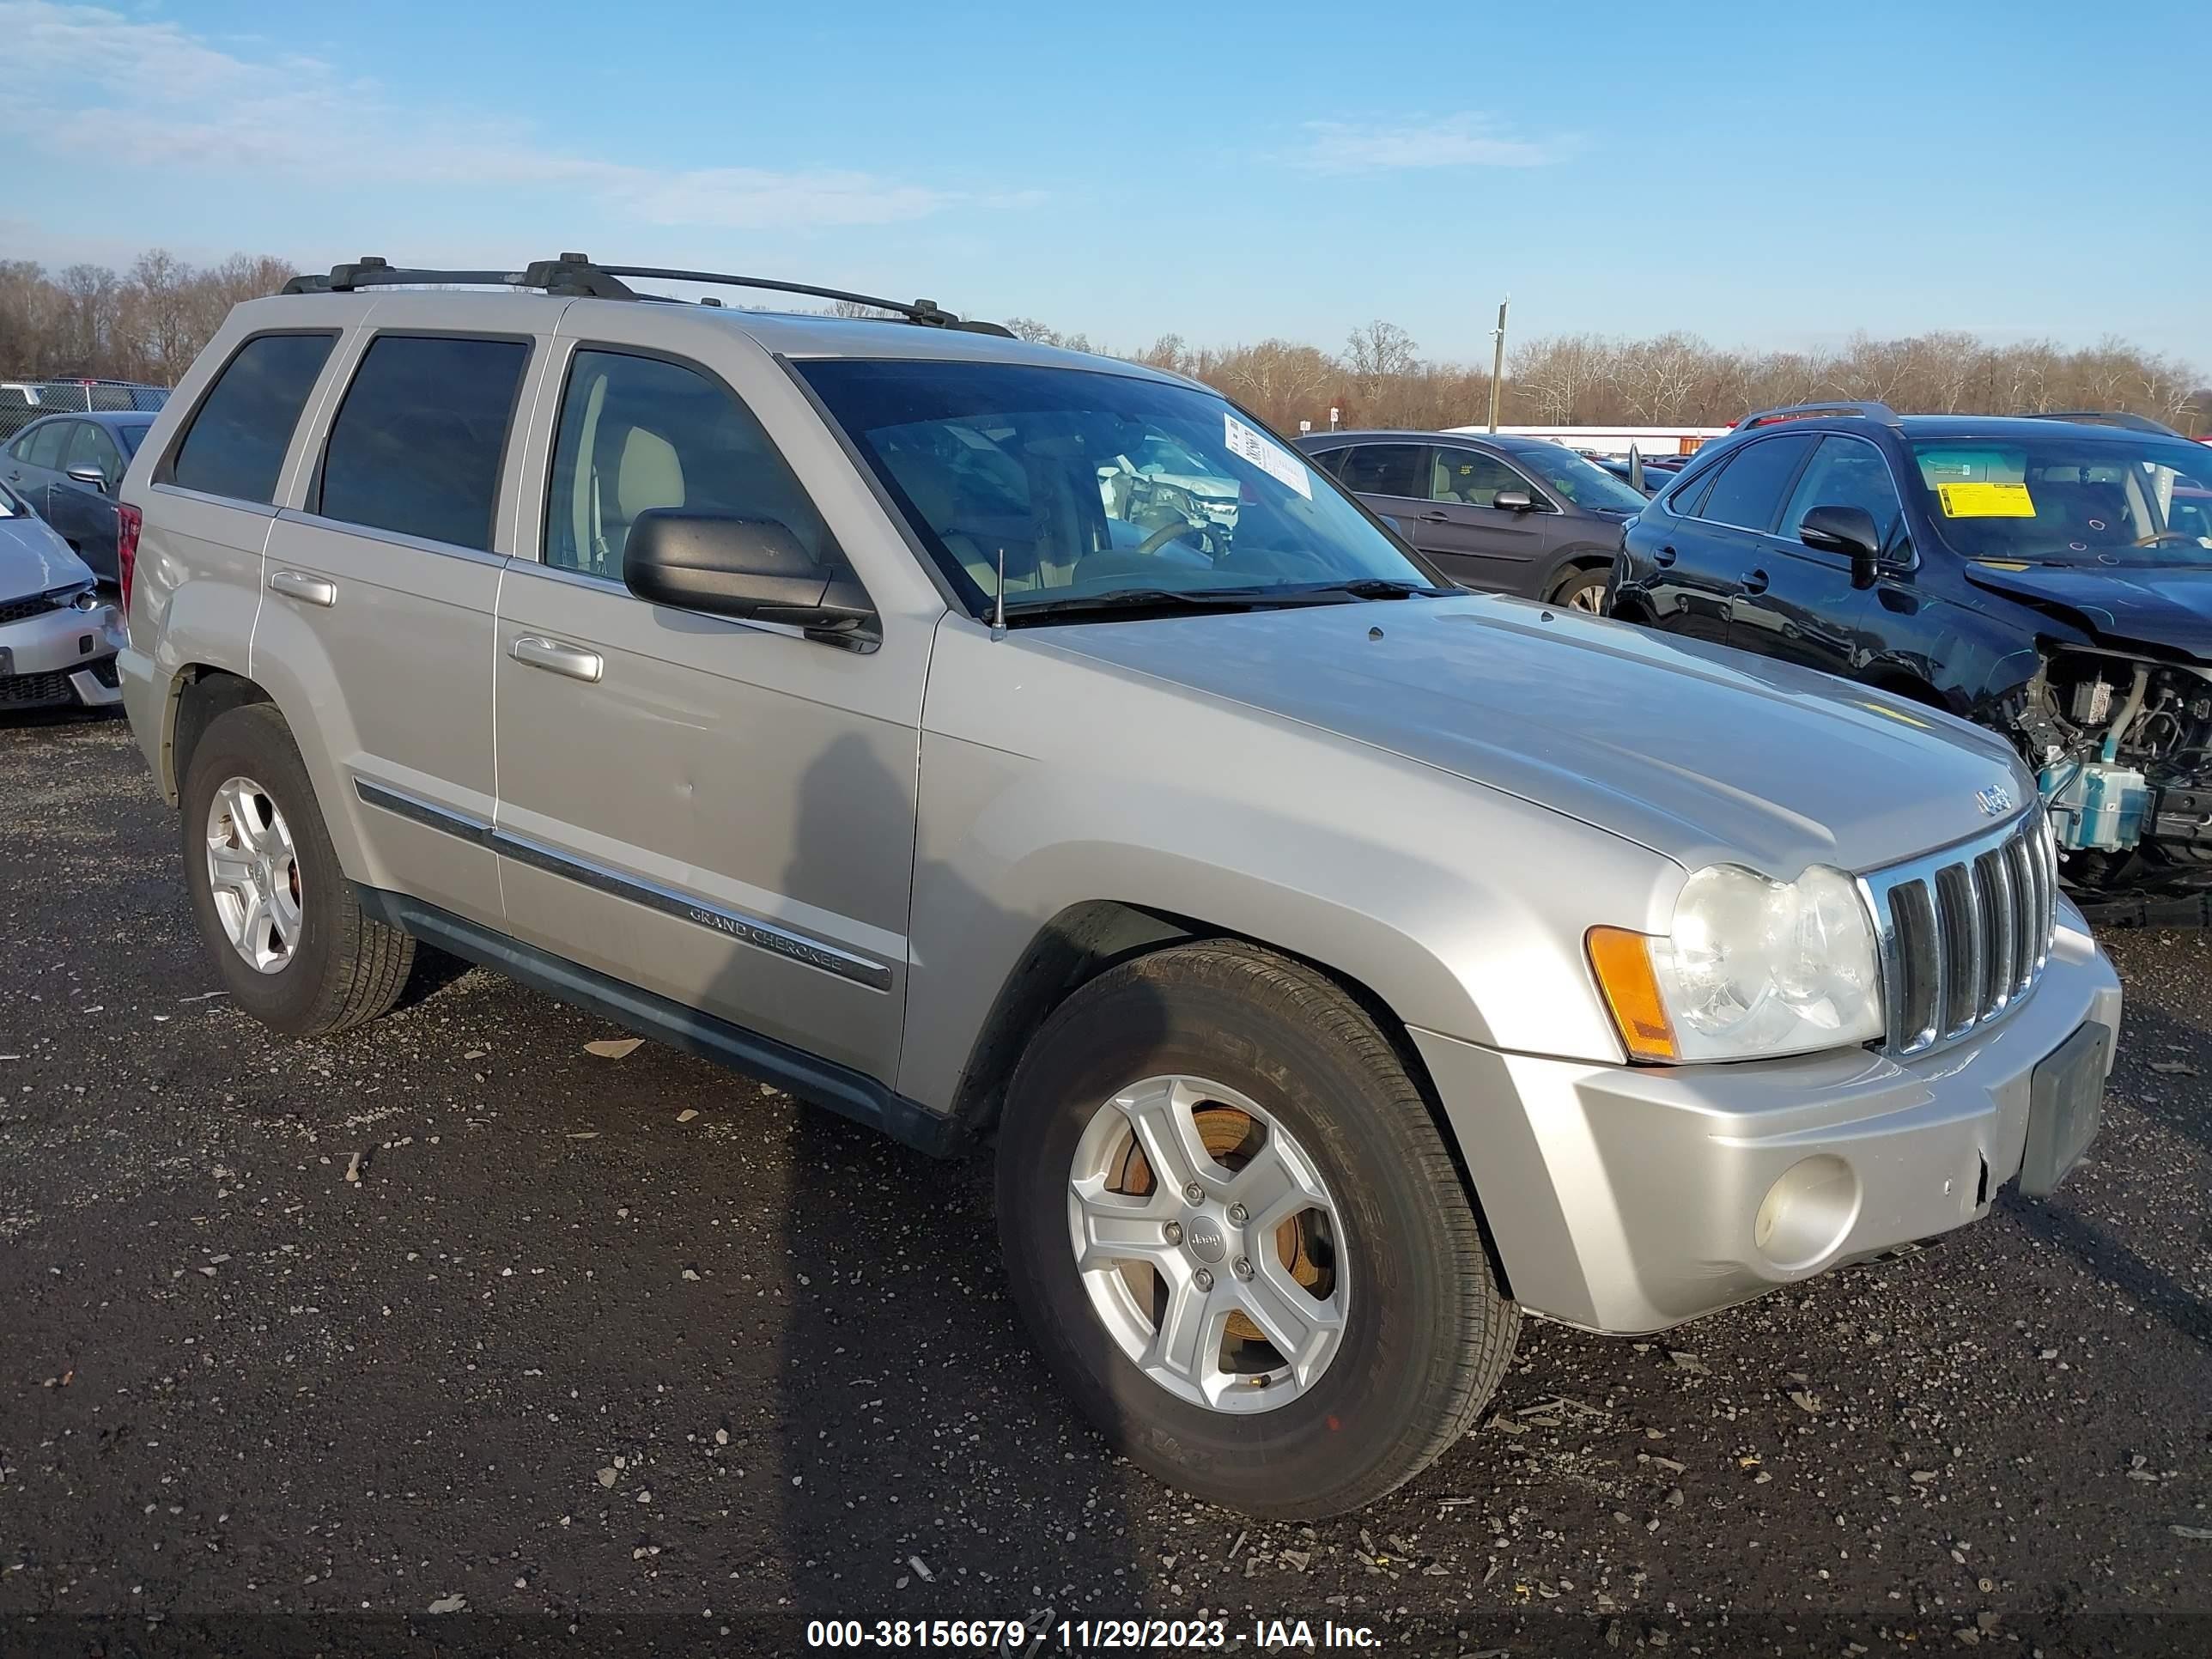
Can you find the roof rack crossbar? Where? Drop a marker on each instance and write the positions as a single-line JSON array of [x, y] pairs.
[[576, 276], [2120, 417], [370, 271], [1865, 409]]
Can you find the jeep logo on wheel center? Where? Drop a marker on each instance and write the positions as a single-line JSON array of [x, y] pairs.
[[1204, 1238]]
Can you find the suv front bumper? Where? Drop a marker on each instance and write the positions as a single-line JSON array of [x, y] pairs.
[[1629, 1198]]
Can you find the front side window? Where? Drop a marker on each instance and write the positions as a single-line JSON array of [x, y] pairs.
[[639, 433], [1847, 472], [236, 442], [1748, 492], [2068, 498], [43, 444], [1582, 480], [1384, 470], [1470, 477], [1034, 466], [417, 444], [92, 447]]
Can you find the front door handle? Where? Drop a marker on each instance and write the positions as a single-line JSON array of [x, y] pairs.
[[1436, 517], [1663, 556], [1755, 582], [557, 657], [308, 589]]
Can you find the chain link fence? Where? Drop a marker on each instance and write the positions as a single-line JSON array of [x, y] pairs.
[[23, 402]]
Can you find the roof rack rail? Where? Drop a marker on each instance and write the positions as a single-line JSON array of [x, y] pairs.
[[575, 275], [1865, 409], [2120, 417]]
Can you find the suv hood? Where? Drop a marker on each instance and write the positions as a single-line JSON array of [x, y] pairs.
[[1698, 752], [34, 560], [2154, 607]]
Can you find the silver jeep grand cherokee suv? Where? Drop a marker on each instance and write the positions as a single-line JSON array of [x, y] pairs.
[[1339, 964]]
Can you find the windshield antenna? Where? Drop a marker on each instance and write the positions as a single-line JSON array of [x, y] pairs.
[[998, 615]]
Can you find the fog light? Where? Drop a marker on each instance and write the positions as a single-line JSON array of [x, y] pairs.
[[1806, 1214]]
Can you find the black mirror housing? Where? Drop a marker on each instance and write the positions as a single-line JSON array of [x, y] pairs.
[[1847, 530], [728, 566]]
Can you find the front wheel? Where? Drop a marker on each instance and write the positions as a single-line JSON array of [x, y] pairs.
[[1238, 1239], [1583, 591]]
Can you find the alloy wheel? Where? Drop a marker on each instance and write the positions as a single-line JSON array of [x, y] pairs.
[[1208, 1245], [253, 875]]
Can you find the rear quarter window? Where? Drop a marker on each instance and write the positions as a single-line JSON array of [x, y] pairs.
[[236, 441]]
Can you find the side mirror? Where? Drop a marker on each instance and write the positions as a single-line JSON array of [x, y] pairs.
[[1513, 501], [1847, 530], [91, 477], [726, 566]]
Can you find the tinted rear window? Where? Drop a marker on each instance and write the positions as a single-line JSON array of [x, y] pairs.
[[1385, 469], [417, 443], [1748, 491], [235, 445]]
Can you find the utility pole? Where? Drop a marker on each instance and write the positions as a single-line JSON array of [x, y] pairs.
[[1498, 360]]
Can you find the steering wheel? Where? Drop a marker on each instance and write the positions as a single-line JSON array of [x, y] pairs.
[[2160, 538], [1166, 533]]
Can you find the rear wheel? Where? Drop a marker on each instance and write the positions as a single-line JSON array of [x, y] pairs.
[[1237, 1237], [293, 948]]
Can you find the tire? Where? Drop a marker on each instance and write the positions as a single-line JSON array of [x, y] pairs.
[[342, 966], [1584, 589], [1424, 1335]]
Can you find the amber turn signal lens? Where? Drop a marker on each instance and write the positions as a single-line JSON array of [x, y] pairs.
[[1622, 962]]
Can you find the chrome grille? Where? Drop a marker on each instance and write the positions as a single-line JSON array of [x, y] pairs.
[[1963, 933]]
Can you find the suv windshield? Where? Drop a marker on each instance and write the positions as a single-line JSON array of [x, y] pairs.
[[1039, 466], [2070, 499], [1582, 481]]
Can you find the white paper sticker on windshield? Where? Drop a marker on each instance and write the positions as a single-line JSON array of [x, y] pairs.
[[1265, 454]]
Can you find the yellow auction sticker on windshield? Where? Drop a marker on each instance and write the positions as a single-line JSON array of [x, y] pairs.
[[1986, 501]]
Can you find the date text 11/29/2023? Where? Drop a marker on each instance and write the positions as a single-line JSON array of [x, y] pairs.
[[1086, 1635]]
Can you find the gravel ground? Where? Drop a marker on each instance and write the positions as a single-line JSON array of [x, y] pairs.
[[451, 1335]]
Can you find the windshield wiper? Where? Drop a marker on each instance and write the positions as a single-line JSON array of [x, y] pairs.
[[1250, 598], [1142, 598], [1380, 587]]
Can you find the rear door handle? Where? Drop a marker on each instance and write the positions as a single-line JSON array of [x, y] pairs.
[[1755, 582], [308, 589], [1436, 517], [1664, 555], [557, 657]]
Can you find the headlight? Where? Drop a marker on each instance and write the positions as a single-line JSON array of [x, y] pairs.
[[1751, 966]]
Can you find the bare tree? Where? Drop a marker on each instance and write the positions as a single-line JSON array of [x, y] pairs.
[[1655, 377], [1560, 376], [1379, 351]]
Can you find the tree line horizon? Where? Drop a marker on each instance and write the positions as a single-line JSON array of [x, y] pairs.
[[148, 323]]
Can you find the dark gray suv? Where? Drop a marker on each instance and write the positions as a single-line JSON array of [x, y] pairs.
[[1515, 515]]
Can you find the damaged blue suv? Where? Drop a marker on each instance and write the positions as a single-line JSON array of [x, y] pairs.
[[2047, 576]]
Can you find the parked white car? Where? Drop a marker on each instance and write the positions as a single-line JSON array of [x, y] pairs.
[[57, 636]]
